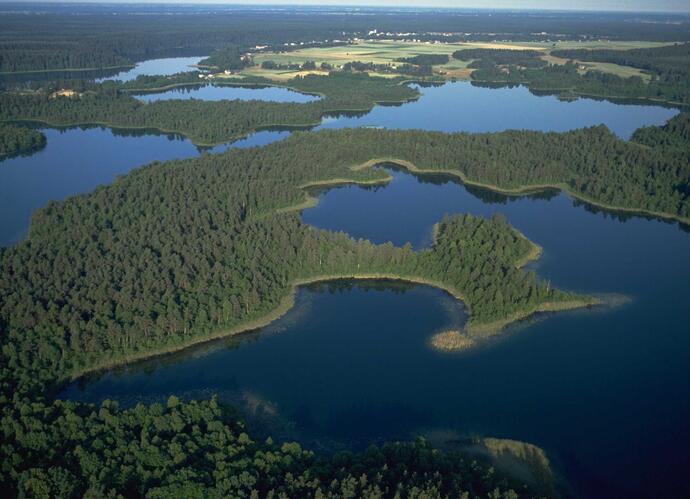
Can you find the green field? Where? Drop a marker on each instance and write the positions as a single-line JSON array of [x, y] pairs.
[[387, 51]]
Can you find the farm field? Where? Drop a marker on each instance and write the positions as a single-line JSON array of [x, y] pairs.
[[389, 51]]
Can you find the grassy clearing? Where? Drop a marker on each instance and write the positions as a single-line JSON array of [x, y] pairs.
[[594, 44], [604, 67]]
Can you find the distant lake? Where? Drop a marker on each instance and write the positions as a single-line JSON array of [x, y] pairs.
[[604, 392], [165, 66], [78, 159], [212, 92], [466, 107]]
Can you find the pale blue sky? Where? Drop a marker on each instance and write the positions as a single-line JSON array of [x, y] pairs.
[[625, 5], [596, 5]]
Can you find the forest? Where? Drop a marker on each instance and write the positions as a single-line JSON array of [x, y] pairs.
[[19, 140], [187, 249], [179, 251], [668, 67], [51, 38], [184, 251], [205, 122]]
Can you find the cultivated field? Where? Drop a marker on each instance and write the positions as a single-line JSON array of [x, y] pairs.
[[387, 51]]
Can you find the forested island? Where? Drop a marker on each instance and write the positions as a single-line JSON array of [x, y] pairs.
[[206, 123], [183, 251], [19, 140], [178, 253]]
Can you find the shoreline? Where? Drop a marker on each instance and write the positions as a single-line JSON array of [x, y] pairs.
[[66, 70], [518, 191], [288, 301], [232, 139]]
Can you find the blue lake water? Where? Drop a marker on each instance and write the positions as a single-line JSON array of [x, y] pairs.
[[464, 107], [76, 160], [604, 392], [228, 92], [165, 66], [73, 161]]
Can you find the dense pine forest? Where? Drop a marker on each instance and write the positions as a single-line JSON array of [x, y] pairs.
[[181, 252], [175, 252], [19, 140]]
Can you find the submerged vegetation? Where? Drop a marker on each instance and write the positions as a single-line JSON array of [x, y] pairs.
[[451, 341], [19, 140]]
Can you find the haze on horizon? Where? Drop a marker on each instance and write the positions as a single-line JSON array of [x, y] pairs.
[[675, 6]]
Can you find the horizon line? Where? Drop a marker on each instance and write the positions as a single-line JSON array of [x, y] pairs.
[[307, 3]]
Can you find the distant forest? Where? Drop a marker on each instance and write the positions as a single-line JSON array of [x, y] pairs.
[[669, 69], [52, 37]]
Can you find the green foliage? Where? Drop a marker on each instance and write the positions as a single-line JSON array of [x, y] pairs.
[[675, 133], [205, 122], [230, 58], [425, 59], [19, 140], [486, 58], [668, 66], [198, 449]]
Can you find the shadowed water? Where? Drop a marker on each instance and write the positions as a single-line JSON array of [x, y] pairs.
[[604, 392]]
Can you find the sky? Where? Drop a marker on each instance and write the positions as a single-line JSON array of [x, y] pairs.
[[588, 5], [624, 5]]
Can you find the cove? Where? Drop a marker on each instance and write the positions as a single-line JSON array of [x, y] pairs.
[[78, 159], [604, 392], [466, 107], [229, 92], [164, 66]]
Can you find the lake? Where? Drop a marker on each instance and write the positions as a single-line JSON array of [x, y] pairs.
[[164, 66], [78, 159], [466, 107], [229, 92], [604, 392]]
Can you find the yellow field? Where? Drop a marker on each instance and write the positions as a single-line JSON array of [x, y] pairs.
[[387, 51], [597, 44]]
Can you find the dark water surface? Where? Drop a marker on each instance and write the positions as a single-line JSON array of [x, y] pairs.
[[605, 392], [76, 160]]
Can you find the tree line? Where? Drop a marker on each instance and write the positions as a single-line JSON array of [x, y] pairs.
[[177, 251], [19, 140], [668, 67], [202, 121]]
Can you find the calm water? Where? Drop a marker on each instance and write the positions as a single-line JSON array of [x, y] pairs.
[[76, 160], [166, 66], [226, 92], [73, 161], [163, 66], [463, 107], [605, 392]]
